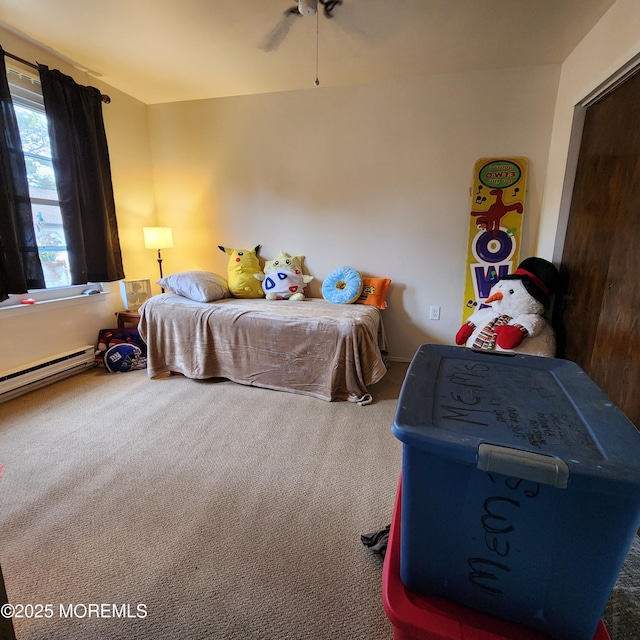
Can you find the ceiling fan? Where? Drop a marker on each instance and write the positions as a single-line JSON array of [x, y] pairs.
[[302, 9], [309, 7]]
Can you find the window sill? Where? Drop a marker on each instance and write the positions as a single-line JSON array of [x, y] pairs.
[[53, 303]]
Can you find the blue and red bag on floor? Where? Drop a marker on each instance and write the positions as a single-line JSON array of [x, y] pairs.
[[121, 350]]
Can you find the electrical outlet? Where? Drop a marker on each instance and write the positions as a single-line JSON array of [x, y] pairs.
[[434, 312]]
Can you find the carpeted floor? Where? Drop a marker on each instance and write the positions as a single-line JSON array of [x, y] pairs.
[[622, 614], [204, 510], [222, 511]]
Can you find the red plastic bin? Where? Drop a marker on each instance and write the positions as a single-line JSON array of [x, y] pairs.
[[419, 617]]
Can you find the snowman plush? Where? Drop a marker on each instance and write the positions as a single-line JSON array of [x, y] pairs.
[[514, 322]]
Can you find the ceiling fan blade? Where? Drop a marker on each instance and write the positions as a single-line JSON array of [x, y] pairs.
[[276, 36], [329, 6]]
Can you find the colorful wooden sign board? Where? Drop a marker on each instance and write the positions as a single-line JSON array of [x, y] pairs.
[[495, 226]]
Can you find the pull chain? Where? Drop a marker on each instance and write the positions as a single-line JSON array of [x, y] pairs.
[[317, 82]]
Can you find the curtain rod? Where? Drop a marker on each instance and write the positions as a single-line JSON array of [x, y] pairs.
[[105, 98]]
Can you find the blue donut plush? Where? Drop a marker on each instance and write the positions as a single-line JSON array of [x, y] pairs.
[[342, 286]]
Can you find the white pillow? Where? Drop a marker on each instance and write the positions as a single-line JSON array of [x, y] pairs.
[[201, 286]]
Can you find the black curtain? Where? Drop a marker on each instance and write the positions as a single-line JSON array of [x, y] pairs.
[[83, 177], [20, 267]]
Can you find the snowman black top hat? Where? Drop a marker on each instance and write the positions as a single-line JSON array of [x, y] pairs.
[[539, 277]]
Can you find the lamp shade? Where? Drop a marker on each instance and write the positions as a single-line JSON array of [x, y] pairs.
[[158, 238]]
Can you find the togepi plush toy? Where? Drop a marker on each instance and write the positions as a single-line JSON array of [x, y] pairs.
[[514, 321], [283, 278], [243, 264]]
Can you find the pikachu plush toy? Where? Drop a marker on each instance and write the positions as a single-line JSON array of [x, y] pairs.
[[243, 264]]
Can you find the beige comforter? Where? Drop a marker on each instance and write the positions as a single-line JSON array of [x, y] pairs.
[[312, 347]]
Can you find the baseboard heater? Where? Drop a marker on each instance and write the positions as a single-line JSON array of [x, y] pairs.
[[38, 374]]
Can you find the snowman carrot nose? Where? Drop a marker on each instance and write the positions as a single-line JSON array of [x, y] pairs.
[[496, 296]]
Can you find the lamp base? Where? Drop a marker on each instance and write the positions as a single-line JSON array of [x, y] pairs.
[[160, 267]]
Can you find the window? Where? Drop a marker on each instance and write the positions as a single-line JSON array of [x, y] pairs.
[[47, 220]]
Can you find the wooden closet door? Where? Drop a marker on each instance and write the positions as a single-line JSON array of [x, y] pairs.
[[601, 259]]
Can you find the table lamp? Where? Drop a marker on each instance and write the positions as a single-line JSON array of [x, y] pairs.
[[158, 238]]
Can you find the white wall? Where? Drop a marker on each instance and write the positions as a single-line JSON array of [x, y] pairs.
[[37, 333], [375, 177]]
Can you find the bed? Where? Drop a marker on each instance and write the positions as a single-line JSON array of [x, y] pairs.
[[311, 347]]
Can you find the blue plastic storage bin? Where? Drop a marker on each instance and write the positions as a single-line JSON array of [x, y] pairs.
[[521, 487]]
